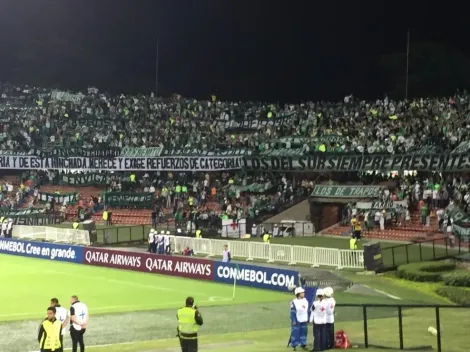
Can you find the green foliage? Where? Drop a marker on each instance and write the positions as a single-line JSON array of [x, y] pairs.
[[457, 278], [457, 295], [424, 271]]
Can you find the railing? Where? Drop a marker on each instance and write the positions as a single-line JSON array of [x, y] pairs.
[[411, 327], [123, 234], [428, 250], [51, 234], [271, 253]]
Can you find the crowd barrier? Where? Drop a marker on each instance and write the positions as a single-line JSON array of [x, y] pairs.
[[274, 253], [182, 266], [52, 234]]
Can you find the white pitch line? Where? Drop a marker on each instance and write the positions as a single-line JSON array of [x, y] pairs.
[[153, 287], [98, 346], [384, 293], [147, 308]]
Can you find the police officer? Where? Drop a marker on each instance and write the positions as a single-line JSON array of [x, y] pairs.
[[189, 321], [50, 332]]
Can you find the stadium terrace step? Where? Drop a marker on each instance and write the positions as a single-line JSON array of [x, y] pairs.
[[390, 233]]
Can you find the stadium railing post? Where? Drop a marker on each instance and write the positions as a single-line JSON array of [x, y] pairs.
[[400, 326], [438, 328], [143, 232], [393, 257], [420, 253], [434, 250], [366, 333], [407, 257]]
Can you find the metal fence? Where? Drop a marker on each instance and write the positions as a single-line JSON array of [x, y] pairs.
[[428, 250], [406, 327]]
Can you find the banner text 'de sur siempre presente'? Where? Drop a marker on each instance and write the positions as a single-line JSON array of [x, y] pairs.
[[327, 162], [321, 162], [346, 191]]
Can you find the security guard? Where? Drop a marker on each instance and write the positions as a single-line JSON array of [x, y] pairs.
[[50, 332], [189, 321], [353, 242], [198, 233], [75, 225]]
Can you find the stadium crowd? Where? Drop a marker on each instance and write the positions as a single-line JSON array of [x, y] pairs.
[[40, 119]]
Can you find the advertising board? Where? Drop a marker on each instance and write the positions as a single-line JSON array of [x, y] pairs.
[[43, 250], [189, 267], [255, 276]]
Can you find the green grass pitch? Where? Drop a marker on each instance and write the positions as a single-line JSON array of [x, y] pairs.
[[135, 312]]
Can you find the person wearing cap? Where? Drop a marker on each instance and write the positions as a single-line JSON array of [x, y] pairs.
[[299, 320], [318, 318], [189, 321], [152, 241], [330, 317], [166, 242]]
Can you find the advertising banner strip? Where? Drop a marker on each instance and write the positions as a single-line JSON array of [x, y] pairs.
[[346, 191], [255, 276], [43, 250], [189, 267]]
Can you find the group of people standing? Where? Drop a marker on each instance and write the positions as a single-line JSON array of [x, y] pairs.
[[322, 315], [159, 243], [53, 328]]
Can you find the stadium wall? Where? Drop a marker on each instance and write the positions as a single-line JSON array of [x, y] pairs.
[[188, 267]]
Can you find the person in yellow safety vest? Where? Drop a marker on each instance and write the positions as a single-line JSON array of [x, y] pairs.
[[191, 201], [50, 332], [184, 189], [353, 242], [75, 225], [105, 217], [230, 181], [132, 178], [267, 238], [189, 321], [356, 226], [198, 234]]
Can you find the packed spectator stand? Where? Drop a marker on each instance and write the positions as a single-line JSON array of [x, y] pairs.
[[37, 121]]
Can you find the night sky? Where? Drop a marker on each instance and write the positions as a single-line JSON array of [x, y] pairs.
[[239, 50]]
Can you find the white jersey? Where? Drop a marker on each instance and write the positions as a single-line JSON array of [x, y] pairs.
[[301, 309], [151, 237], [318, 315], [166, 240], [80, 311], [330, 310], [61, 314]]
